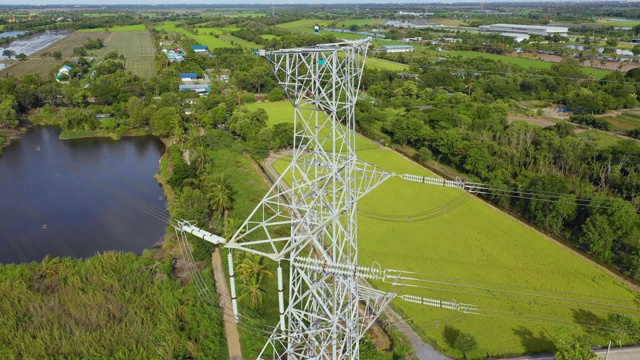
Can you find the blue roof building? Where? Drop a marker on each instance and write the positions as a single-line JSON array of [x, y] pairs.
[[199, 48]]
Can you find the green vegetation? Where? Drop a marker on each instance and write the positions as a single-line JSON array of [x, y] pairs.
[[525, 63], [110, 305], [139, 27]]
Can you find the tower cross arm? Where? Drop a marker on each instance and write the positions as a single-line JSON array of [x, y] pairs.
[[188, 227]]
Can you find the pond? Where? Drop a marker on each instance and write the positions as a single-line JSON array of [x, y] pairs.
[[78, 197], [11, 34], [31, 44]]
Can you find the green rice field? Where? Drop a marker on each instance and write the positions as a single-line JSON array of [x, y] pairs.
[[474, 245], [210, 41], [530, 63], [282, 111]]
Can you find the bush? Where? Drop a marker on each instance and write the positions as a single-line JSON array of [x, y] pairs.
[[592, 121]]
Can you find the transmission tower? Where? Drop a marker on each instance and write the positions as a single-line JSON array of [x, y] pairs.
[[309, 217]]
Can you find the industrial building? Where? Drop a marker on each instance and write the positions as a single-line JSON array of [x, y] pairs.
[[527, 29], [397, 48]]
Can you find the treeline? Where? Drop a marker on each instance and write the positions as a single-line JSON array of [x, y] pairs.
[[459, 119]]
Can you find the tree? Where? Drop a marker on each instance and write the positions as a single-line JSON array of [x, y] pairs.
[[57, 55], [165, 121], [574, 351], [8, 53], [636, 50], [252, 271], [21, 56], [190, 204], [8, 116], [465, 343], [598, 236]]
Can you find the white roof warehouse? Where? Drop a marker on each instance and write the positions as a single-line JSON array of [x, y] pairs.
[[527, 29]]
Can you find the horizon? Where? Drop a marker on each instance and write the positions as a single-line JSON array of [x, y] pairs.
[[11, 3]]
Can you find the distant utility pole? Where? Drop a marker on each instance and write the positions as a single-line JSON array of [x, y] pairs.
[[273, 11]]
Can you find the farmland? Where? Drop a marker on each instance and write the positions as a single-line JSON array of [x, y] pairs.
[[137, 48], [204, 38], [282, 111], [385, 64], [475, 245], [139, 27], [33, 66]]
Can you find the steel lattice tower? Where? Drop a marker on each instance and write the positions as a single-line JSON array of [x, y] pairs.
[[311, 218]]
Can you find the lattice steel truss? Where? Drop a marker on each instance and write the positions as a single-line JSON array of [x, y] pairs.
[[310, 212]]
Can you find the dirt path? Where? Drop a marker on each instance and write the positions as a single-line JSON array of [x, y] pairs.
[[230, 328]]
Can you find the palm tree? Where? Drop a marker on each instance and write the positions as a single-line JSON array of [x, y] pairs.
[[253, 269], [252, 293], [219, 193]]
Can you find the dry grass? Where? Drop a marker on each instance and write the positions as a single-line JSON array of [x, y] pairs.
[[33, 66]]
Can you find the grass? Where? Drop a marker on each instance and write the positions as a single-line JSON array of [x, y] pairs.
[[139, 27], [138, 49], [449, 22], [361, 22], [476, 245], [524, 62], [302, 24], [203, 37], [385, 64], [282, 111], [616, 23], [268, 36]]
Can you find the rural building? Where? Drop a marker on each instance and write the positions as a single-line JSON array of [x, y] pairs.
[[101, 117], [189, 77], [173, 55], [526, 29], [397, 48], [191, 101], [198, 88], [412, 39], [223, 78], [63, 73], [516, 37], [199, 49]]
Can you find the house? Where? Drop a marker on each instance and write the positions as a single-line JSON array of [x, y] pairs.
[[223, 78], [191, 101], [198, 88], [412, 39], [63, 73], [397, 48], [101, 117], [199, 49], [189, 77]]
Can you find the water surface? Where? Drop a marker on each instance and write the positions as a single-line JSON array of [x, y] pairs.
[[78, 197]]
